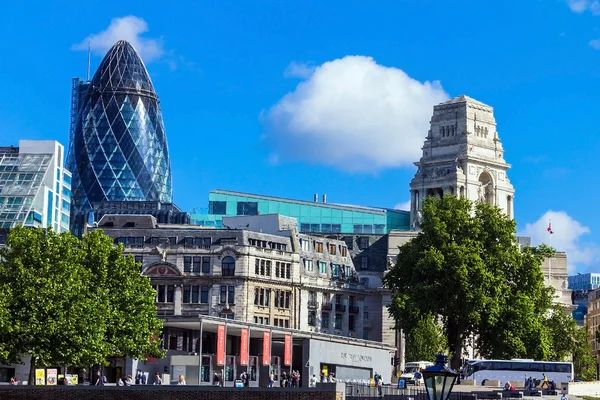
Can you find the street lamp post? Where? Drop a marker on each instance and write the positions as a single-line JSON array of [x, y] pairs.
[[439, 379]]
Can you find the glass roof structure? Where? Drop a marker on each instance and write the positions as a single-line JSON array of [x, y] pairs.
[[119, 146]]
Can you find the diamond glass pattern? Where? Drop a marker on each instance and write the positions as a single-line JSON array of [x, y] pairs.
[[119, 150]]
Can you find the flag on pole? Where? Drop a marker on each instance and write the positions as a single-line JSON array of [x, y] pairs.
[[550, 231]]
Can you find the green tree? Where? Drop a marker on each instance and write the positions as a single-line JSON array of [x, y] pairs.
[[50, 315], [72, 302], [131, 323], [425, 340], [563, 330], [466, 267], [583, 360]]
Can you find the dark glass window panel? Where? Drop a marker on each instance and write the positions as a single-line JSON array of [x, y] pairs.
[[247, 208], [228, 266], [217, 207], [187, 264], [206, 265], [196, 264], [195, 294], [204, 295]]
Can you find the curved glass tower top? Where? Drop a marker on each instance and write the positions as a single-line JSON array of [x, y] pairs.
[[119, 147]]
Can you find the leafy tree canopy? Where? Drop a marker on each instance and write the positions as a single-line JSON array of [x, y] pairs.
[[465, 266], [71, 302]]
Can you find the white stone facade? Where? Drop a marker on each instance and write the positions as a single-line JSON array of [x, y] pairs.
[[463, 156]]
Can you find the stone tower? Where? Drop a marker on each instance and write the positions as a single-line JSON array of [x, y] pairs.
[[463, 156]]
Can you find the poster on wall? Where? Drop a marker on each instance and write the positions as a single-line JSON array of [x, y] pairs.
[[40, 376], [266, 358], [287, 350], [75, 379], [221, 345], [52, 376], [244, 346]]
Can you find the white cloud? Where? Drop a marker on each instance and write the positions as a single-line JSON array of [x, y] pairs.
[[355, 115], [404, 206], [580, 6], [298, 70], [128, 28], [566, 237], [595, 44]]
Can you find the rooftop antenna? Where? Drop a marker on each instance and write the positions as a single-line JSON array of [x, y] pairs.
[[89, 52]]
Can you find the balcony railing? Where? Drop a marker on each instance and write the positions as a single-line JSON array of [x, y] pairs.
[[354, 309], [313, 304], [340, 308], [327, 306]]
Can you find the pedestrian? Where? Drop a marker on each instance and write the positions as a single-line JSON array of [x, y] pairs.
[[99, 379], [181, 380], [13, 381], [157, 379], [140, 377], [313, 381], [271, 379], [545, 383]]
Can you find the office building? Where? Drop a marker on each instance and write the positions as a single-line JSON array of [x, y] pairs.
[[313, 217], [589, 281], [35, 187], [118, 150]]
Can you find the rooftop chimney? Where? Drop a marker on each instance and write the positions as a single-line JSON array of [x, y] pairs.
[[324, 198], [316, 198]]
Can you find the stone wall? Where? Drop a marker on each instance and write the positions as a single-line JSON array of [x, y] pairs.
[[163, 393]]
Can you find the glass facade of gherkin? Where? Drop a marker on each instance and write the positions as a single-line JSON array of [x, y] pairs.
[[118, 150]]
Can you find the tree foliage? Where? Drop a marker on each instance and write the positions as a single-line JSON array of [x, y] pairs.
[[426, 340], [583, 360], [465, 266], [64, 301]]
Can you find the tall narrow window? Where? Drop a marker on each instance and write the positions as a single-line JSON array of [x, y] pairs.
[[228, 266], [187, 264], [196, 267], [206, 265]]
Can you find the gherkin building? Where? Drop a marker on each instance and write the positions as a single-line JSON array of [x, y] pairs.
[[118, 146]]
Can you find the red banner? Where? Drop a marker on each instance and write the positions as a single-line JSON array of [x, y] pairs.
[[266, 358], [287, 350], [244, 346], [221, 345]]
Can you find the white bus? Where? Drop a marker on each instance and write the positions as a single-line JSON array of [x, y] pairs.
[[515, 370]]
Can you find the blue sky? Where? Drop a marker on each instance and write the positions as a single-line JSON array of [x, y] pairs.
[[223, 70]]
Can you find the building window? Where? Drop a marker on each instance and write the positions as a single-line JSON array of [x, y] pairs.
[[344, 251], [305, 244], [312, 318], [338, 321], [351, 323], [282, 270], [281, 322], [227, 295], [262, 267], [228, 266], [325, 320], [322, 267], [261, 320], [206, 265], [217, 207], [332, 249], [195, 294], [262, 297], [358, 229], [304, 227], [139, 259], [363, 242], [335, 270], [282, 299], [187, 264], [318, 247], [365, 315], [336, 228], [308, 265], [164, 293], [366, 334], [364, 263], [379, 229], [204, 295], [196, 266], [186, 294], [247, 208]]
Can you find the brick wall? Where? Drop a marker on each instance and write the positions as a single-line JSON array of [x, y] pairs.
[[163, 393]]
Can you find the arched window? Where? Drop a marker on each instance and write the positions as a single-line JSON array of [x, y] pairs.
[[228, 266]]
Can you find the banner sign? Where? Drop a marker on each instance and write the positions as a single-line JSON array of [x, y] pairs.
[[244, 346], [221, 345], [287, 350], [266, 358]]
